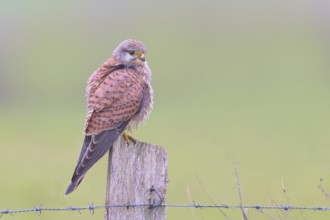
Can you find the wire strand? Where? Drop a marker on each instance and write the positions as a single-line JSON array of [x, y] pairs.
[[91, 207]]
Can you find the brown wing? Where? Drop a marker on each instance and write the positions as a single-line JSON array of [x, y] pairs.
[[111, 105], [117, 99]]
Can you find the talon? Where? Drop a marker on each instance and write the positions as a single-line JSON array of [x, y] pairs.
[[129, 139]]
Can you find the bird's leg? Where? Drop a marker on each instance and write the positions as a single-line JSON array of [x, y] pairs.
[[129, 139]]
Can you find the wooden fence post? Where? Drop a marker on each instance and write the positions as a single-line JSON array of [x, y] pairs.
[[137, 174]]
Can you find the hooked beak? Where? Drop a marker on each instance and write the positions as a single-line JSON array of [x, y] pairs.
[[141, 57]]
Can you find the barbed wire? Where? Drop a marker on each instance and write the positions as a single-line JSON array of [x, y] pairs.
[[91, 207]]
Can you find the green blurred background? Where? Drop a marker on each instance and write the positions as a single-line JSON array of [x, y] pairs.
[[237, 83]]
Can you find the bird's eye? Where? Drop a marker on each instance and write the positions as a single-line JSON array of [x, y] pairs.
[[132, 52]]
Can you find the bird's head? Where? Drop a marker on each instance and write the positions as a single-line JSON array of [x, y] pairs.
[[130, 53]]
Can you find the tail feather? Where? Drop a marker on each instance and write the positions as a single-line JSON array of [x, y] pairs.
[[94, 147], [73, 186], [70, 188], [74, 181]]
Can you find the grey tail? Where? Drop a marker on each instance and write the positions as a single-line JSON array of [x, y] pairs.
[[72, 187], [75, 181], [94, 147]]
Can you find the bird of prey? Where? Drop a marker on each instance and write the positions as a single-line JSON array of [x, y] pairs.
[[119, 97]]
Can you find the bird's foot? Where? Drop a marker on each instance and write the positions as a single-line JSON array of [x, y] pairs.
[[128, 139]]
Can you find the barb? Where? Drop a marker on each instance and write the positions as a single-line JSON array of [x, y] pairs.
[[91, 207], [37, 209], [153, 201]]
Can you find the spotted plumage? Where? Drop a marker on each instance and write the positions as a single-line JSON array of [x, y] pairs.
[[119, 97]]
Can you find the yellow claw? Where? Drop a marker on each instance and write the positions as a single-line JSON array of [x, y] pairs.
[[129, 139]]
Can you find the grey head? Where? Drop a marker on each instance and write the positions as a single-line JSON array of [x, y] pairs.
[[130, 53]]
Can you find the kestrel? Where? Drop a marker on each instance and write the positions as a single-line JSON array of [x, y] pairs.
[[119, 97]]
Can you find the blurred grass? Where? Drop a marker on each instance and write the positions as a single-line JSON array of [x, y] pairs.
[[234, 83]]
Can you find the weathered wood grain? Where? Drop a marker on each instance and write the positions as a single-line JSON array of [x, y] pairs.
[[137, 174]]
